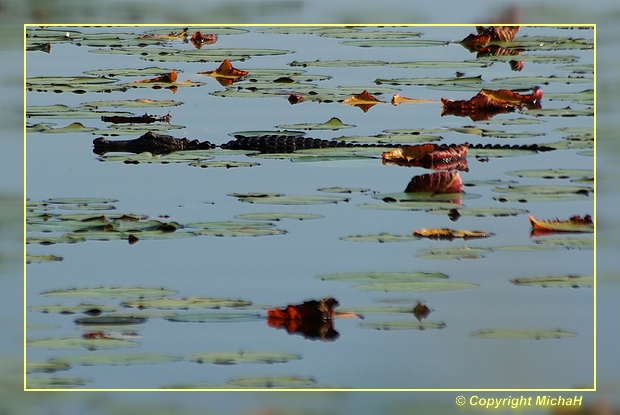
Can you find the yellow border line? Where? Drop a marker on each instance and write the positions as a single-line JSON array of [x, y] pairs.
[[571, 390]]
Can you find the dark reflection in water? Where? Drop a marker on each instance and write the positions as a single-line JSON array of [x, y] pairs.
[[313, 319]]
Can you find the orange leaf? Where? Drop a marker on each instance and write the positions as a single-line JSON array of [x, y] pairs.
[[429, 156], [324, 309], [198, 39], [574, 224], [226, 70], [365, 101], [398, 99], [450, 234], [168, 78], [506, 96]]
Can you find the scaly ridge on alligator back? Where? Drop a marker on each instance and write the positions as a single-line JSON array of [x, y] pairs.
[[162, 144]]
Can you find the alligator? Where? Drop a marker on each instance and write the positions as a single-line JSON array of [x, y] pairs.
[[162, 144], [151, 142]]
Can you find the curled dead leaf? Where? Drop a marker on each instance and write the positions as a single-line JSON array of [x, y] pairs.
[[324, 309], [487, 103], [433, 156], [364, 101], [199, 39], [167, 78], [573, 224], [450, 234], [399, 99]]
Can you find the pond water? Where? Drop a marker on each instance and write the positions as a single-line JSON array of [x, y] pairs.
[[276, 270]]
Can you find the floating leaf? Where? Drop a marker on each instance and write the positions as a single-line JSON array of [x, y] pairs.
[[454, 253], [343, 190], [430, 81], [381, 238], [294, 200], [33, 259], [561, 281], [477, 212], [574, 224], [383, 276], [113, 292], [45, 367], [272, 382], [80, 343], [116, 359], [391, 43], [75, 84], [64, 111], [569, 243], [184, 303], [112, 320], [553, 173], [54, 382], [223, 163], [403, 325], [230, 358], [213, 317], [332, 124], [89, 309], [416, 286], [450, 234], [523, 334], [364, 101], [277, 216], [133, 103]]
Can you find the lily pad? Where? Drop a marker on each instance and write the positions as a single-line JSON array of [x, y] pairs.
[[478, 212], [411, 206], [110, 292], [416, 286], [391, 43], [454, 253], [231, 358], [270, 382], [569, 243], [164, 54], [553, 173], [184, 303], [294, 200], [343, 190], [45, 367], [75, 84], [403, 325], [81, 343], [476, 80], [112, 320], [223, 163], [116, 359], [381, 238], [89, 309], [133, 103], [75, 127], [151, 71], [332, 124], [383, 276], [213, 317], [54, 382], [277, 216], [560, 281], [64, 111], [33, 259], [524, 334], [527, 193]]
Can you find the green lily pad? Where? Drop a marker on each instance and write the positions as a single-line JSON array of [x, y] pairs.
[[110, 292], [116, 130], [270, 382], [232, 358], [163, 54], [75, 84], [184, 303], [277, 216], [392, 43], [527, 193], [33, 259], [116, 359], [383, 276], [54, 382], [403, 197], [585, 97], [213, 317], [249, 231], [403, 325], [479, 212], [454, 253], [476, 80], [151, 71], [133, 103], [45, 367], [411, 206], [523, 334], [113, 320], [64, 111], [344, 63], [569, 243], [343, 190], [80, 343], [90, 309], [260, 133], [560, 281], [560, 112], [416, 286], [204, 29], [332, 124], [553, 173], [223, 163], [75, 127], [391, 137], [51, 240], [294, 200], [381, 238]]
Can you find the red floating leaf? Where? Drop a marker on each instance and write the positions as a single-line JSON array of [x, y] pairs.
[[199, 39], [431, 156], [573, 224], [309, 310], [487, 103]]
